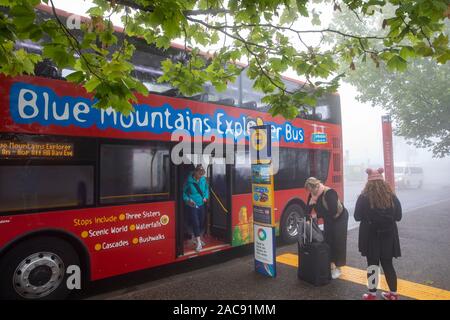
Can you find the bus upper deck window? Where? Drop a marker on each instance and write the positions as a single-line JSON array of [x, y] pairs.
[[229, 97], [66, 72], [156, 87], [323, 112], [250, 105]]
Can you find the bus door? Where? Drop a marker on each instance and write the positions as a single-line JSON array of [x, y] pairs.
[[220, 199], [182, 226], [218, 215]]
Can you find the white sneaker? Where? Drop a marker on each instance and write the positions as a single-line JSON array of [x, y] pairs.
[[199, 247], [194, 242], [335, 273]]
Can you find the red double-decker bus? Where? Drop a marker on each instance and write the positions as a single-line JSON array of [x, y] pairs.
[[95, 189]]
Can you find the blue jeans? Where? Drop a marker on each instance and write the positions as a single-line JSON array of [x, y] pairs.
[[197, 218]]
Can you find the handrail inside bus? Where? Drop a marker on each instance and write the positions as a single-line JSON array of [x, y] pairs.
[[218, 200]]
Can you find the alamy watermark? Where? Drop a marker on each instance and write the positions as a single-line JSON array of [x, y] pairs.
[[73, 22], [73, 281], [373, 276], [215, 147]]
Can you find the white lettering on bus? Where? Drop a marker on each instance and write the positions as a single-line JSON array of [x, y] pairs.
[[108, 112], [131, 216], [168, 114], [30, 103], [151, 214], [119, 229], [117, 244], [98, 233], [42, 105], [151, 238], [145, 226], [80, 108]]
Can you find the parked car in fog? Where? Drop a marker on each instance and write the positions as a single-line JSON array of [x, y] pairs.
[[408, 176]]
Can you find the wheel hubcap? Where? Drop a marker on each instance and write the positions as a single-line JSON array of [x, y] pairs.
[[38, 275], [292, 224]]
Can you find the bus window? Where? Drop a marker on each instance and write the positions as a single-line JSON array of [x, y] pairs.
[[156, 87], [293, 168], [320, 162], [242, 173], [45, 187], [229, 97], [251, 99], [66, 72], [133, 173], [323, 113]]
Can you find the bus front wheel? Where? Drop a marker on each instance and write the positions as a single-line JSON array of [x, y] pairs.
[[289, 223], [36, 269]]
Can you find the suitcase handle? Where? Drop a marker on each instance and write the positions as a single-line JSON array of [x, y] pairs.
[[304, 230]]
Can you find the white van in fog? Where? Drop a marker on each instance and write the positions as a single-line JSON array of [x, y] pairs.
[[408, 175]]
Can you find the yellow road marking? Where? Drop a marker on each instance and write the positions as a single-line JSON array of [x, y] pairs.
[[404, 287]]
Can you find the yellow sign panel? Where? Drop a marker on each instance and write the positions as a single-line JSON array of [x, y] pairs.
[[262, 195], [35, 149], [262, 176]]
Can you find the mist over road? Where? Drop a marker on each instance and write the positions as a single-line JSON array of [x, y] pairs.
[[430, 193]]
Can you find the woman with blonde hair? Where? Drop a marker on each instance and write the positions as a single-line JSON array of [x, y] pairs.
[[195, 195], [326, 203], [378, 209]]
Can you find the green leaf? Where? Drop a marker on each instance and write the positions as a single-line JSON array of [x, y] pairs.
[[77, 77], [108, 38], [301, 6], [397, 63], [22, 16], [440, 41], [443, 58], [316, 19], [92, 84], [310, 101], [95, 12], [407, 52], [423, 50], [58, 53], [163, 42]]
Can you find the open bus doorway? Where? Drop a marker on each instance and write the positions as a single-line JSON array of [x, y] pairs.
[[217, 223]]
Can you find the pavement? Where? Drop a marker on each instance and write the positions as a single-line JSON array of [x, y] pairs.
[[424, 269]]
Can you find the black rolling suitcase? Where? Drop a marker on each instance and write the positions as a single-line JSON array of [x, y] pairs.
[[313, 259]]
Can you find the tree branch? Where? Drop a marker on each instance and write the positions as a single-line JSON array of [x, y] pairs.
[[134, 5], [327, 30], [73, 41]]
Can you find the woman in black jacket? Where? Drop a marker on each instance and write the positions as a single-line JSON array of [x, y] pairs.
[[378, 209], [325, 202]]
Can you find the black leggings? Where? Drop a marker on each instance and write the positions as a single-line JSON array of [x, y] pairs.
[[389, 272]]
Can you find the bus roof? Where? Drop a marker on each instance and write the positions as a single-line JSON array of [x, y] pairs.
[[174, 45]]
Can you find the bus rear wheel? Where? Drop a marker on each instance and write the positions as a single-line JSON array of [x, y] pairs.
[[289, 223], [36, 269]]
